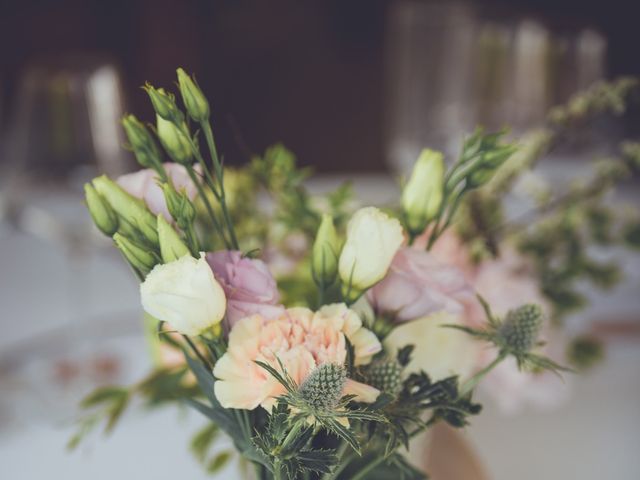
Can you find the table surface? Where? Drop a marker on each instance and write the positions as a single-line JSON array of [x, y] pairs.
[[46, 291]]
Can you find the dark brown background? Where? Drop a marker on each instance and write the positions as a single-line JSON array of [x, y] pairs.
[[308, 73]]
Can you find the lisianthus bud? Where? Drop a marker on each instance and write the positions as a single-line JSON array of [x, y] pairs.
[[171, 246], [164, 104], [521, 327], [138, 256], [144, 147], [185, 294], [385, 376], [323, 387], [174, 141], [422, 196], [101, 212], [130, 209], [373, 238], [193, 98], [179, 205], [326, 249]]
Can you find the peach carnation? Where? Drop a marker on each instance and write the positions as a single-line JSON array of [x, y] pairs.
[[302, 340]]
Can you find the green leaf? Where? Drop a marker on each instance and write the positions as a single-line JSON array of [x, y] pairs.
[[321, 461], [103, 395], [202, 441], [219, 462], [282, 378], [342, 432]]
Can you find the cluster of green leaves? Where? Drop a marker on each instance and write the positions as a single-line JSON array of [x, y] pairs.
[[277, 171], [286, 441], [106, 405], [559, 244], [405, 411], [482, 155]]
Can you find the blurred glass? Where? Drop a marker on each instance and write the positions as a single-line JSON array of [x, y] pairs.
[[452, 66], [64, 131]]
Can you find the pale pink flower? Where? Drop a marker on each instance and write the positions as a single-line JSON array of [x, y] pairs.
[[419, 284], [248, 285], [301, 340], [143, 184]]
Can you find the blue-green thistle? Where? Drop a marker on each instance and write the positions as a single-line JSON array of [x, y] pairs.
[[521, 327], [322, 389], [386, 376]]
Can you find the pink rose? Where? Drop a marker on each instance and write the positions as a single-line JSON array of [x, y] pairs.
[[249, 286], [417, 285], [143, 184]]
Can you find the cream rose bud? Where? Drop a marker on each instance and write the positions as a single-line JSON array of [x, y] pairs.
[[185, 294], [373, 238], [422, 196]]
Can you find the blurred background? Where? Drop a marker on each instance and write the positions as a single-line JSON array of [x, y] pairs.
[[348, 86]]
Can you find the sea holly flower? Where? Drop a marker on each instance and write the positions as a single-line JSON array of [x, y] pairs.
[[373, 238], [185, 294], [516, 336], [300, 340]]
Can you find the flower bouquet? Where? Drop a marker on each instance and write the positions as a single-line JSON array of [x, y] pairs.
[[320, 337]]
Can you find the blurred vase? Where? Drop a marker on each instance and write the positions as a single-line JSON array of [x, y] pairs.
[[452, 66]]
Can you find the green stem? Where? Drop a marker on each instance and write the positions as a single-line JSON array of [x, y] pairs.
[[208, 133], [368, 467], [473, 381], [208, 206], [204, 361], [192, 239]]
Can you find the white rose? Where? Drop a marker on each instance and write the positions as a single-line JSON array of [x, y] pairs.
[[373, 238], [185, 294]]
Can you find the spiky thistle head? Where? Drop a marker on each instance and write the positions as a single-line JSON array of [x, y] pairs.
[[323, 387], [386, 376], [521, 328]]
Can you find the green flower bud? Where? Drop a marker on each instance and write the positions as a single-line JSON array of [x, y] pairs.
[[174, 141], [144, 146], [326, 250], [164, 104], [422, 196], [171, 246], [193, 98], [323, 387], [180, 207], [386, 376], [138, 256], [101, 212], [521, 328], [129, 209]]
